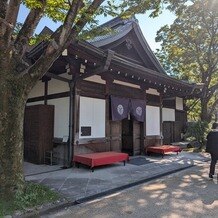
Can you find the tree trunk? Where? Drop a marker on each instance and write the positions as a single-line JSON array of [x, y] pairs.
[[204, 110], [12, 103]]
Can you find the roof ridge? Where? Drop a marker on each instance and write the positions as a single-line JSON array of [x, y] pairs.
[[118, 20]]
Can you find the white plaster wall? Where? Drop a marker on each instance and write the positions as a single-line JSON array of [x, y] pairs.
[[126, 84], [61, 119], [57, 86], [179, 103], [96, 79], [152, 91], [152, 120], [168, 114], [92, 113], [38, 90]]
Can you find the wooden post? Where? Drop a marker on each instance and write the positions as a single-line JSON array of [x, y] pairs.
[[109, 82], [161, 118], [45, 79], [46, 93], [70, 149], [74, 71], [76, 116], [143, 126]]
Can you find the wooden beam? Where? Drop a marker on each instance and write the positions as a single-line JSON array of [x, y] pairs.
[[100, 69], [51, 75], [45, 92]]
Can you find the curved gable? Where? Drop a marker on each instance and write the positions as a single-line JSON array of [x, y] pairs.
[[126, 39]]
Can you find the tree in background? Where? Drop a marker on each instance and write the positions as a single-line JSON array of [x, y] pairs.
[[190, 51], [18, 76]]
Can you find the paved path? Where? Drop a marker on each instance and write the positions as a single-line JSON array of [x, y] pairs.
[[76, 184], [188, 193]]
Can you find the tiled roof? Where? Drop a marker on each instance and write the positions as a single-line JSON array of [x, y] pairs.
[[119, 28]]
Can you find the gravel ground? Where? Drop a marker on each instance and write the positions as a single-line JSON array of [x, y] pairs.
[[188, 193]]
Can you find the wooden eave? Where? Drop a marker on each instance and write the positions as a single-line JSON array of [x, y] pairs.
[[134, 73], [148, 78], [147, 48], [120, 67]]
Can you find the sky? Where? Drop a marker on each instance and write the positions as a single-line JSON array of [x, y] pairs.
[[149, 26]]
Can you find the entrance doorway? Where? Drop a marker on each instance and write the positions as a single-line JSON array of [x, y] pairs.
[[127, 136], [131, 137]]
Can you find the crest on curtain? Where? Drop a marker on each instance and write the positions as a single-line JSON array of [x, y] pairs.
[[120, 108], [137, 109]]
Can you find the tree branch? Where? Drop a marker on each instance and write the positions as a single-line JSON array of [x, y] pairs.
[[55, 46], [12, 12], [192, 106], [79, 25], [212, 89], [197, 55], [63, 33], [213, 67], [7, 23], [66, 34], [213, 107], [3, 9], [61, 39], [27, 29]]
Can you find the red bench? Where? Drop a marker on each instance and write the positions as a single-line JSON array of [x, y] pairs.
[[163, 149], [100, 158]]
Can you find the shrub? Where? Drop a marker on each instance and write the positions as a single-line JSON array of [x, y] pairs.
[[197, 131]]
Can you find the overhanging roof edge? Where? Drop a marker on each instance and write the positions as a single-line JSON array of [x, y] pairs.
[[147, 48]]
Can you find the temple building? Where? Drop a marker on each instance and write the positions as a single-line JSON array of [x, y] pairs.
[[106, 94]]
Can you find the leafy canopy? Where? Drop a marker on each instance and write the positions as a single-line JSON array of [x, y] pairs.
[[190, 48], [57, 11]]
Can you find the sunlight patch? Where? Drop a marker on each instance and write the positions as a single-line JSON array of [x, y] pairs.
[[154, 187]]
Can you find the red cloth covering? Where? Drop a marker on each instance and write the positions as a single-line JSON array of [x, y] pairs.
[[101, 158], [164, 149]]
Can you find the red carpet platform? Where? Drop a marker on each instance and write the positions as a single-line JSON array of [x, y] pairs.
[[101, 158], [163, 149]]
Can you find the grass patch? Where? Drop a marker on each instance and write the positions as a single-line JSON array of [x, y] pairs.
[[34, 195]]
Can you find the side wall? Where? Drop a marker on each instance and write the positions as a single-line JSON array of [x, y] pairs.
[[58, 93], [174, 119], [93, 112]]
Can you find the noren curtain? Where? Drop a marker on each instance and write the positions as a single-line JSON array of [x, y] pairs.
[[121, 107], [137, 109]]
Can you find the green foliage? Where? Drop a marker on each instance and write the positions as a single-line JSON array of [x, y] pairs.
[[34, 195], [57, 10], [190, 48], [197, 131], [194, 109], [38, 38]]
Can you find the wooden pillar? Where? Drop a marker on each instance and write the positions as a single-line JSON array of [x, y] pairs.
[[73, 107], [76, 116], [108, 84], [161, 118], [46, 92], [143, 125], [45, 79]]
